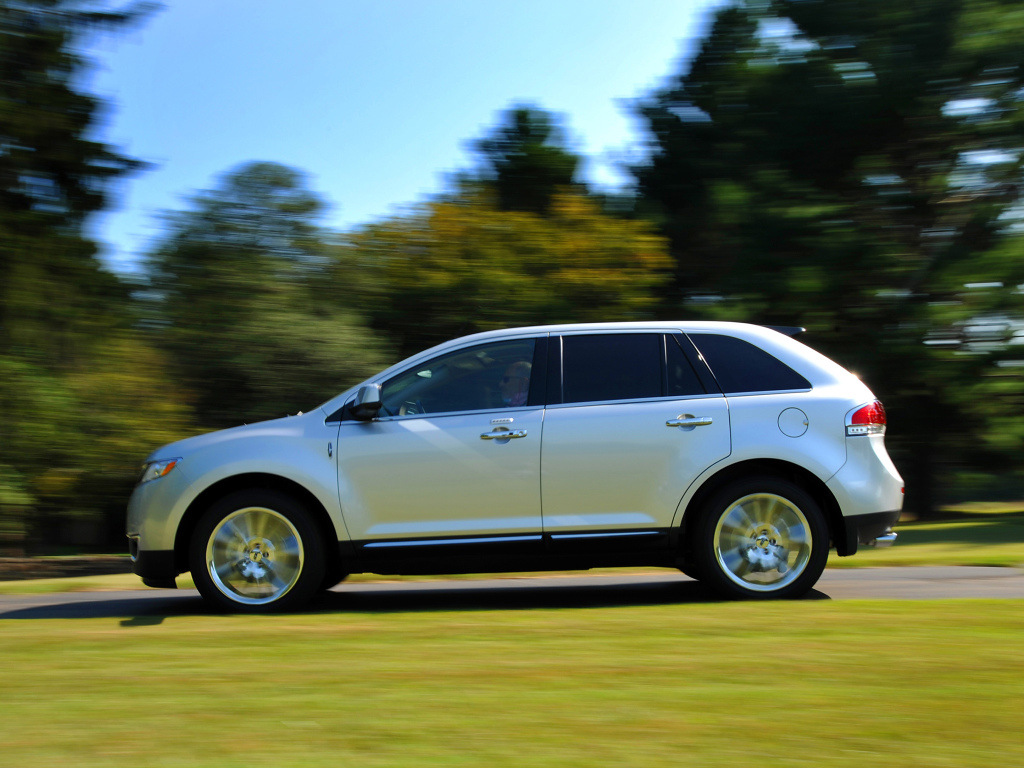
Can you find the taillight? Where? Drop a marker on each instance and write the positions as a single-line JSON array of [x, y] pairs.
[[867, 420]]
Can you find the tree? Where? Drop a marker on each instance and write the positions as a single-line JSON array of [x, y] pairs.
[[841, 165], [463, 264], [53, 292], [526, 161], [240, 301], [58, 306]]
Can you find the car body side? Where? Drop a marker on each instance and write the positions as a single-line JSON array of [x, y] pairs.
[[853, 477]]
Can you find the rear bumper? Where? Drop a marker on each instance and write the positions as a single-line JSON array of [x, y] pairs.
[[866, 483], [873, 529]]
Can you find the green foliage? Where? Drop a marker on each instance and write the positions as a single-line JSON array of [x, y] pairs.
[[239, 300], [73, 442], [35, 450], [60, 311], [53, 293], [848, 166], [125, 405], [526, 161], [464, 265]]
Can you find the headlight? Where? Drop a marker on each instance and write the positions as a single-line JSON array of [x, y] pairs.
[[156, 469]]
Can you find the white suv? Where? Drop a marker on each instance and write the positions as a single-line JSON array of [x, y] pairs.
[[730, 451]]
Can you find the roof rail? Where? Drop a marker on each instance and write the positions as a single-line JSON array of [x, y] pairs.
[[788, 330]]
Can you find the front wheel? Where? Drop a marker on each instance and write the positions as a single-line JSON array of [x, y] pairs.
[[257, 551], [762, 538]]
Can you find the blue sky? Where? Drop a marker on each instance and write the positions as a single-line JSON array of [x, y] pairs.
[[376, 101]]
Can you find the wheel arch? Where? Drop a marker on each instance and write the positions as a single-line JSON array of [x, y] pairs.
[[228, 485], [794, 473]]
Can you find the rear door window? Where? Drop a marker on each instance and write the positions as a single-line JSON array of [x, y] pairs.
[[613, 366]]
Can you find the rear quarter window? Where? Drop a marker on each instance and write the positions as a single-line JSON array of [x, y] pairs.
[[740, 366]]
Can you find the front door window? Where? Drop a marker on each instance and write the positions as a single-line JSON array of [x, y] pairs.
[[485, 377]]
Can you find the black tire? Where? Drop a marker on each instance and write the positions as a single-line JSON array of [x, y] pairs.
[[257, 551], [690, 569], [761, 538], [334, 574]]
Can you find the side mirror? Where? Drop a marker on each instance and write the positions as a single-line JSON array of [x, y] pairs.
[[367, 403]]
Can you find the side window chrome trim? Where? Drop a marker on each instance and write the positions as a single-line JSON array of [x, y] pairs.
[[449, 414], [770, 392], [635, 400]]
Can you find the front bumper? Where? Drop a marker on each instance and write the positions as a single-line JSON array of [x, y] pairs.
[[156, 566], [154, 510]]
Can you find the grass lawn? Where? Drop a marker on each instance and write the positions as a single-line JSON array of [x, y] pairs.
[[854, 683], [815, 683]]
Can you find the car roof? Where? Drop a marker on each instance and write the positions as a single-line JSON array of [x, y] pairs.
[[687, 326]]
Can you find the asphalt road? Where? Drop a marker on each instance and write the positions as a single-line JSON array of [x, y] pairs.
[[150, 606]]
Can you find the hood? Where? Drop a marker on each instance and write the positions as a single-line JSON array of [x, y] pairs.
[[288, 426]]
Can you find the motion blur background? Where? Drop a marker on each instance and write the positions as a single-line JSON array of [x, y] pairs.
[[850, 166]]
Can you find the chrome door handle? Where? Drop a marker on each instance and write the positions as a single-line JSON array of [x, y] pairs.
[[503, 434], [688, 420]]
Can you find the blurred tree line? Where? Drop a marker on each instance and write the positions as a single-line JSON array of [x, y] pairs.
[[80, 388], [851, 166]]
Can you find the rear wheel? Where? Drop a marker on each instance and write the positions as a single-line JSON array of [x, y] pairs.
[[762, 538], [257, 551]]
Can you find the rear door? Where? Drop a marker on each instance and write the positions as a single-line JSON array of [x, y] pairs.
[[630, 427]]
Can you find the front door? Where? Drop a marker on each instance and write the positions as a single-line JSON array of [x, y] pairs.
[[454, 453]]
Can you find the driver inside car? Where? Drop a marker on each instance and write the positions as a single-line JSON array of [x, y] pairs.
[[515, 384]]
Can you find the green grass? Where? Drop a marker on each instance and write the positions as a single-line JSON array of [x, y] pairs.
[[969, 538], [815, 683], [969, 508], [105, 583]]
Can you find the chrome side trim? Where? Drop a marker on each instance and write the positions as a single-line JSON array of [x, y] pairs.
[[603, 535], [431, 542]]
